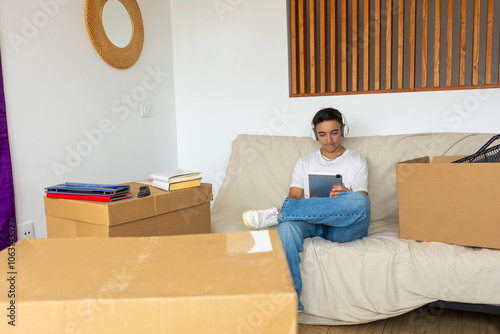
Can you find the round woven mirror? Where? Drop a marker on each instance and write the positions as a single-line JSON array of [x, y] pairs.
[[119, 57]]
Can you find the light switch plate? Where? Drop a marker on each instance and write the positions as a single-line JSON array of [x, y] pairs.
[[146, 110]]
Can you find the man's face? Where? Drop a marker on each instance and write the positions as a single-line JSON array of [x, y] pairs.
[[329, 134]]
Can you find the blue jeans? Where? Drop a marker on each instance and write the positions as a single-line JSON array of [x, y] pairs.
[[340, 219]]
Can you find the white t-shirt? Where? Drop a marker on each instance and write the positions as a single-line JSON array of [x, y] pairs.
[[351, 165]]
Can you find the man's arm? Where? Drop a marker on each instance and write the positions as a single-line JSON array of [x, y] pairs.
[[296, 193]]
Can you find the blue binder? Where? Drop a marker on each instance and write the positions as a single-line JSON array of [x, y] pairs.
[[88, 189]]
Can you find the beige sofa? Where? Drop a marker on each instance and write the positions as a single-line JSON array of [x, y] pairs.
[[379, 276]]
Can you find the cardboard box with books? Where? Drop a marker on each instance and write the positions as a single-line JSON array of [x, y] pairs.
[[455, 203], [207, 283], [184, 211]]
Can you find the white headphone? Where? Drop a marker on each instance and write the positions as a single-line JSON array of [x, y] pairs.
[[344, 129]]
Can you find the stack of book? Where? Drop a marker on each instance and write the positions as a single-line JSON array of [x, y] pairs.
[[176, 179], [89, 191]]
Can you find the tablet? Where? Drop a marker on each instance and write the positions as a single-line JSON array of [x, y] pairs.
[[321, 183]]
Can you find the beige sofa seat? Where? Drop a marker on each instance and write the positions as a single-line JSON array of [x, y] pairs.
[[379, 276]]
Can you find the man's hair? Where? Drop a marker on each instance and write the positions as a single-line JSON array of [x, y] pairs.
[[327, 114]]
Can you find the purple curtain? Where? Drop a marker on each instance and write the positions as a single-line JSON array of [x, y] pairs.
[[8, 231]]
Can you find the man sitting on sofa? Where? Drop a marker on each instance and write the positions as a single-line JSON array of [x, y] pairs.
[[342, 217]]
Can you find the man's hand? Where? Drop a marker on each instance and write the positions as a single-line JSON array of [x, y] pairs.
[[336, 190]]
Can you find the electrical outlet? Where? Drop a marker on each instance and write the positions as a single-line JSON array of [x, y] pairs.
[[146, 110], [27, 230]]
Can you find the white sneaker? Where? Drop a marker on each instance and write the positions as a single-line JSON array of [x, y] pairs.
[[258, 219]]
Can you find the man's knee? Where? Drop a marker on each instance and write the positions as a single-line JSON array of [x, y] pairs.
[[291, 236], [349, 233], [285, 228], [361, 201], [290, 231]]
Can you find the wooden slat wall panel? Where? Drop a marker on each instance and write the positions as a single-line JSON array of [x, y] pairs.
[[302, 46], [322, 44], [437, 42], [343, 31], [317, 69], [413, 27], [463, 41], [293, 45], [489, 42], [366, 46], [333, 46], [449, 43], [388, 47], [401, 37], [425, 36], [376, 47], [475, 43], [312, 46], [355, 45]]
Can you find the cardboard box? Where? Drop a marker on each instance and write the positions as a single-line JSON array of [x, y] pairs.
[[185, 211], [206, 283], [452, 203]]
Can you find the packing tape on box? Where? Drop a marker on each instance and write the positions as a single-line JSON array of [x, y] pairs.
[[248, 242]]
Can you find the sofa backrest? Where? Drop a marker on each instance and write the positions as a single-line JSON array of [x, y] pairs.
[[259, 171]]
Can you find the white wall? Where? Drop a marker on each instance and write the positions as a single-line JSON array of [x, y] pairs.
[[231, 76], [231, 66], [62, 98]]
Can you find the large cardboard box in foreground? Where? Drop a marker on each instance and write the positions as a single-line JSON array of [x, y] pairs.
[[206, 283], [452, 203], [185, 211]]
